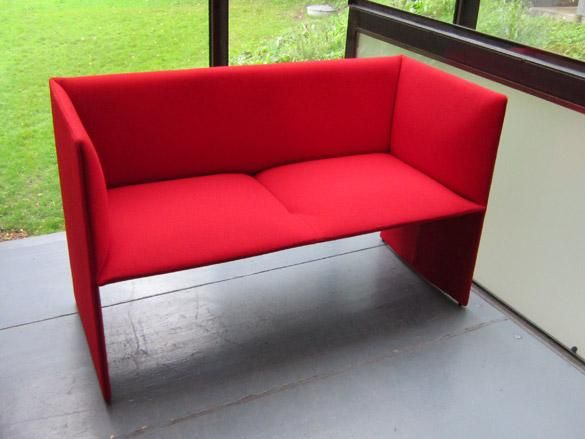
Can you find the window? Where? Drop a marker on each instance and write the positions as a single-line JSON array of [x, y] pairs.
[[283, 31], [439, 9], [552, 25], [44, 38]]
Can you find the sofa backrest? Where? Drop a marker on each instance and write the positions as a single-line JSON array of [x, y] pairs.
[[165, 125], [447, 128]]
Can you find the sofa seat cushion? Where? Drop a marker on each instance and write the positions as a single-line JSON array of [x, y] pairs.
[[178, 224], [361, 193], [185, 223]]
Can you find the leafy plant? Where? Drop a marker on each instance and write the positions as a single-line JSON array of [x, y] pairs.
[[322, 38], [440, 9]]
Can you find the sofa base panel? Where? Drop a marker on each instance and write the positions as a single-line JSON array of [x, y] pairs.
[[443, 252]]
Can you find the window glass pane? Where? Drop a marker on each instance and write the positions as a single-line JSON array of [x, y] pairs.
[[44, 38], [267, 31], [552, 25], [438, 9]]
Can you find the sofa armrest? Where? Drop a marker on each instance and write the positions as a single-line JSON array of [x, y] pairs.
[[83, 189], [447, 128]]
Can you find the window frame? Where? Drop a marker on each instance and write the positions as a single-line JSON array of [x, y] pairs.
[[554, 77]]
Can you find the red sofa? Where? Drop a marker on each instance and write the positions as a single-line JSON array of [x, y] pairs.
[[172, 170]]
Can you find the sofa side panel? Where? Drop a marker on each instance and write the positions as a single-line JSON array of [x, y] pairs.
[[84, 204], [83, 189], [165, 125], [448, 128]]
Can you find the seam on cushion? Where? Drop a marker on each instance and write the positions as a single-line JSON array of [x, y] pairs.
[[296, 162], [108, 251], [105, 252], [299, 216], [104, 262], [95, 271], [396, 85], [82, 141], [340, 156], [475, 208], [274, 196]]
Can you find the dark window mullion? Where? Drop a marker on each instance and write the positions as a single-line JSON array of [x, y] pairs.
[[218, 32], [466, 13]]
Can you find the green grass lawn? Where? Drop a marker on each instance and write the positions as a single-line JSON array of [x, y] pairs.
[[44, 38]]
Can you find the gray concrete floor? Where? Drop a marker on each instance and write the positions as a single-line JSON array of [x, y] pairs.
[[337, 340]]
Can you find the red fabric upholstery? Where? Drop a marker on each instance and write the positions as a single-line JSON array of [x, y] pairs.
[[167, 226], [364, 193], [82, 181], [173, 225], [165, 125], [171, 170], [444, 251], [447, 128], [84, 205]]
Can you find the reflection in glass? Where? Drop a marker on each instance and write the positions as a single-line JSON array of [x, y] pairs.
[[439, 9], [552, 25]]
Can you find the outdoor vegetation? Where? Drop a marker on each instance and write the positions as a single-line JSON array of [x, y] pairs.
[[44, 38], [509, 19]]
